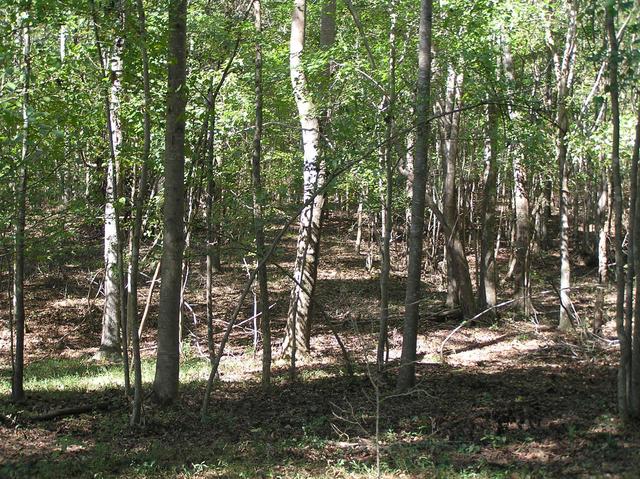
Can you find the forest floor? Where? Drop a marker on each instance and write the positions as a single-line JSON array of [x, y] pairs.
[[509, 397]]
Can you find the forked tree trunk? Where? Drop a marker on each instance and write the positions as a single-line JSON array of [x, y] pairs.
[[407, 373], [17, 382], [487, 282], [460, 290], [521, 203], [166, 380]]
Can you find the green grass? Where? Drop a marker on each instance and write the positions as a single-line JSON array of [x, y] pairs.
[[81, 375]]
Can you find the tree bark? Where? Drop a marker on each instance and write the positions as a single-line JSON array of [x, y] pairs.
[[258, 204], [166, 381], [634, 260], [603, 263], [297, 337], [487, 282], [625, 346], [17, 383], [407, 374], [564, 79], [134, 245], [521, 203], [110, 341], [459, 290], [387, 195]]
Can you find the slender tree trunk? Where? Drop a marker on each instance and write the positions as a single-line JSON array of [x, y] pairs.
[[521, 201], [258, 204], [212, 256], [110, 342], [625, 346], [139, 198], [460, 291], [564, 79], [359, 224], [17, 383], [168, 356], [449, 148], [407, 373], [603, 263], [634, 260], [387, 195], [487, 282], [408, 166], [297, 335]]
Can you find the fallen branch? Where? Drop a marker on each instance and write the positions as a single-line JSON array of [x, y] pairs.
[[68, 411]]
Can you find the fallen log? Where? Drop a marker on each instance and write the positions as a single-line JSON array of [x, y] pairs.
[[67, 411], [444, 315]]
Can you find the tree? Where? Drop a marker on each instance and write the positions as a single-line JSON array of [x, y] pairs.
[[487, 283], [110, 343], [521, 201], [625, 345], [298, 331], [166, 380], [258, 204], [134, 240], [564, 73], [407, 374], [17, 386]]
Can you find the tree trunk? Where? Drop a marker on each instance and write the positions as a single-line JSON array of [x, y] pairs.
[[297, 335], [166, 381], [387, 195], [407, 374], [625, 346], [603, 263], [110, 342], [139, 198], [359, 216], [459, 291], [487, 283], [522, 227], [633, 318], [258, 204], [17, 383], [564, 79]]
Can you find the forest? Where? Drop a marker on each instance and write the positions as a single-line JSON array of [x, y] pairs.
[[319, 238]]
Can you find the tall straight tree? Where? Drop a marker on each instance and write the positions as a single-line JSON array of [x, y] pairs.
[[297, 336], [563, 66], [625, 343], [258, 203], [110, 345], [487, 280], [138, 202], [407, 373], [17, 386], [634, 298], [521, 201], [387, 192], [166, 382]]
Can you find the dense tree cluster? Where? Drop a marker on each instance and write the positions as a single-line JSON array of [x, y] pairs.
[[449, 131]]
